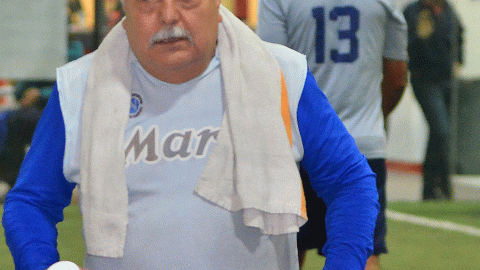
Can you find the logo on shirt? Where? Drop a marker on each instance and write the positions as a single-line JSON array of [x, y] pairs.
[[136, 105], [146, 146], [425, 24]]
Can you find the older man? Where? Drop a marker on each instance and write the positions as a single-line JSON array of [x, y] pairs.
[[183, 132]]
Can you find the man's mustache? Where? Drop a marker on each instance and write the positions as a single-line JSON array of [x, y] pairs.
[[170, 34]]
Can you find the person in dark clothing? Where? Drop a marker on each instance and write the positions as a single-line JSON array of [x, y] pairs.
[[17, 126], [34, 93], [20, 125], [435, 41]]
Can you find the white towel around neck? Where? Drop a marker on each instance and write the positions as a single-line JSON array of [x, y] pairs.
[[251, 167]]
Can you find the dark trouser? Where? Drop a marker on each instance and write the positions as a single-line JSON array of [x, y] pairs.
[[10, 165], [434, 99], [313, 235]]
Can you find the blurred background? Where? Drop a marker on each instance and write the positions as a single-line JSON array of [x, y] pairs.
[[37, 37]]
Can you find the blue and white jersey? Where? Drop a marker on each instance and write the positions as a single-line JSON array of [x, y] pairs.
[[170, 133], [172, 129], [345, 41]]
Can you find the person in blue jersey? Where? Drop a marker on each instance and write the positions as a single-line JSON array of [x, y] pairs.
[[357, 52], [183, 132]]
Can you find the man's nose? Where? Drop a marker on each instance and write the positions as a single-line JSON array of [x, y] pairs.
[[169, 13]]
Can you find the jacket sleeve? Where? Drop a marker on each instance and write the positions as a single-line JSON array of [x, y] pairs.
[[460, 43], [35, 204], [339, 174]]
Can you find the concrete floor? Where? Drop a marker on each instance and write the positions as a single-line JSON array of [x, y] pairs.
[[407, 186]]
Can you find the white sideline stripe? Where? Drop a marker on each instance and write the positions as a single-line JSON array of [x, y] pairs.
[[439, 224]]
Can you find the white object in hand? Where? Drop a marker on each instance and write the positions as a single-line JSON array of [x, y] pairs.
[[64, 265]]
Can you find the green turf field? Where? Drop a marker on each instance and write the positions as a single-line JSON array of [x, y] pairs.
[[419, 247], [411, 246]]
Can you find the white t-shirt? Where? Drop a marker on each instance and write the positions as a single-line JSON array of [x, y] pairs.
[[344, 41]]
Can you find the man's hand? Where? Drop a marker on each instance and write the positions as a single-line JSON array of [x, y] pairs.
[[457, 69]]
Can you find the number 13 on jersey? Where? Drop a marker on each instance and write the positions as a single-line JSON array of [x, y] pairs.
[[344, 34]]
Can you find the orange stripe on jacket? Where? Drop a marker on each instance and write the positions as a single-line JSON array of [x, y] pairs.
[[288, 126]]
